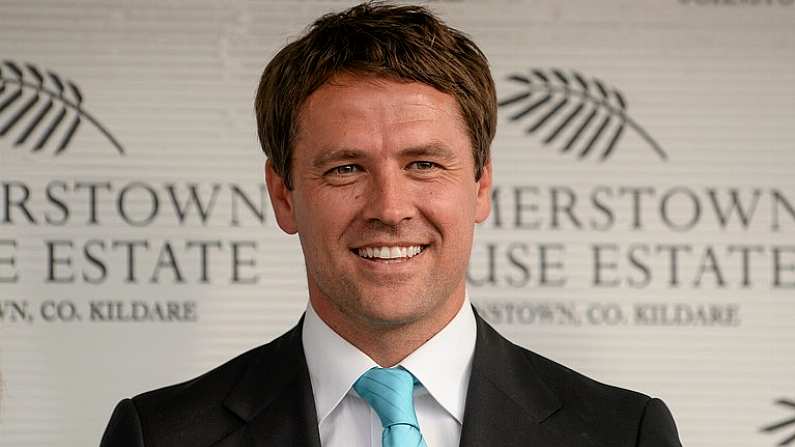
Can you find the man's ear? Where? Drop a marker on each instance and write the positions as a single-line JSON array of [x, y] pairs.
[[281, 199], [483, 199]]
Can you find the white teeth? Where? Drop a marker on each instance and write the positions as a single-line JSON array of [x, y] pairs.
[[390, 252]]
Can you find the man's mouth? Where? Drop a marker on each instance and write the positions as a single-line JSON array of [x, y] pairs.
[[390, 252]]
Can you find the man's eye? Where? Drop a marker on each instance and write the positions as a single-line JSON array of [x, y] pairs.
[[423, 165], [344, 170]]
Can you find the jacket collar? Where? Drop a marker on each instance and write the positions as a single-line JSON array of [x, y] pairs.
[[507, 400]]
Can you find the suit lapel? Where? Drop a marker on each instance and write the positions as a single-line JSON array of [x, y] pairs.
[[274, 398], [507, 402]]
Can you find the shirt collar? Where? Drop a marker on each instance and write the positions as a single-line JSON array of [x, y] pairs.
[[447, 380], [334, 364]]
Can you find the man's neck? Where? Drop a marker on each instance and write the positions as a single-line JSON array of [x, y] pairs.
[[387, 344]]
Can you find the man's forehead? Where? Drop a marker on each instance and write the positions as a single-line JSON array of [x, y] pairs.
[[349, 100], [346, 89]]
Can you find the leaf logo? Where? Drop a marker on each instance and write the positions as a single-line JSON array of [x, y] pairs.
[[31, 120], [781, 425], [581, 115]]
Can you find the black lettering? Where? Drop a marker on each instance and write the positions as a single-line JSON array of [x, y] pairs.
[[193, 201], [521, 207], [130, 247], [58, 203], [636, 195], [122, 202], [53, 261], [609, 217], [9, 262], [639, 265], [491, 276], [779, 201], [745, 260], [14, 311], [673, 260], [203, 250], [93, 259], [780, 268], [166, 259], [667, 216], [93, 188], [257, 212], [710, 264], [237, 262], [545, 265], [189, 311], [20, 203], [48, 311], [599, 265], [98, 311], [563, 207], [520, 264], [496, 207], [724, 213]]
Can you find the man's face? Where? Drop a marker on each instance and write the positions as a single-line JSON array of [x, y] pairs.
[[384, 201]]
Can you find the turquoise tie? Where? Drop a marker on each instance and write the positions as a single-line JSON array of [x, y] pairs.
[[390, 392]]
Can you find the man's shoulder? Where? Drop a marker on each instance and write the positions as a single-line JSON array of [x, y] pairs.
[[547, 403], [607, 413], [200, 402], [575, 387], [211, 386], [570, 386]]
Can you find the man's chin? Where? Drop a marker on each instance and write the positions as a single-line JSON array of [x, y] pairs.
[[384, 306], [399, 308], [391, 316]]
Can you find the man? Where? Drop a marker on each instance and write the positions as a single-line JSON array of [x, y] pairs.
[[377, 126]]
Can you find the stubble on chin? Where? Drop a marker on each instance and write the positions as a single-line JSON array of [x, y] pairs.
[[385, 307]]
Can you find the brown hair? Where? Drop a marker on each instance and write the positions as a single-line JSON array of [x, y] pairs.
[[397, 41]]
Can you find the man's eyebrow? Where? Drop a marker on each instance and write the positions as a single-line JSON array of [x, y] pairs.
[[336, 155], [435, 150]]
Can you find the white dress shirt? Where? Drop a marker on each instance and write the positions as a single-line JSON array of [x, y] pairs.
[[442, 365]]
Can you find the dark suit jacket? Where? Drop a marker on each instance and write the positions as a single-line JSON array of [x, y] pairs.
[[515, 398]]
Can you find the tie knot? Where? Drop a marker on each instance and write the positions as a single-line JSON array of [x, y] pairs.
[[390, 392]]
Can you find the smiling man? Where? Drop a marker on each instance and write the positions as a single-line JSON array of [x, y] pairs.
[[384, 200], [377, 126]]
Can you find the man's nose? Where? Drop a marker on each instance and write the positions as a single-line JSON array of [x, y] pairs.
[[389, 199]]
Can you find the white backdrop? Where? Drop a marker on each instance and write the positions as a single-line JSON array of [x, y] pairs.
[[137, 247]]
